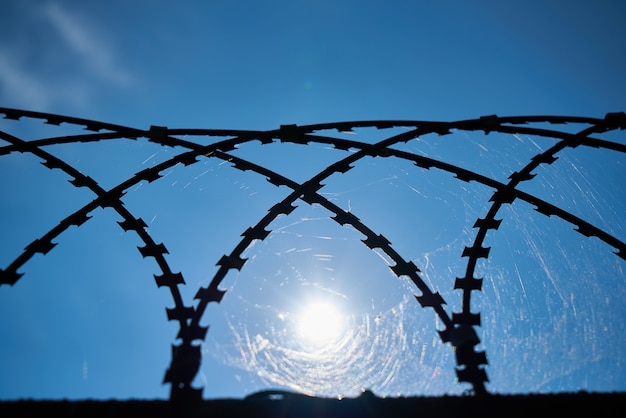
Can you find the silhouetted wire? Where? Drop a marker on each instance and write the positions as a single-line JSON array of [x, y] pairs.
[[459, 329]]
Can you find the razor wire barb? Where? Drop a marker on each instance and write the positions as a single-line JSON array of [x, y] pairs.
[[459, 329]]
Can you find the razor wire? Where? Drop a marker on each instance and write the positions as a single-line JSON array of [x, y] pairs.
[[459, 328]]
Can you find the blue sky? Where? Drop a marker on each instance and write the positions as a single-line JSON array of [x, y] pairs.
[[92, 332]]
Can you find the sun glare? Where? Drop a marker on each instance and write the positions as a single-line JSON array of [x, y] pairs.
[[319, 324]]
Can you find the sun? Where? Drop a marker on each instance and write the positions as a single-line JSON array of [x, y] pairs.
[[320, 323]]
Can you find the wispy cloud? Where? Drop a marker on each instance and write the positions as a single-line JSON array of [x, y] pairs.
[[20, 87], [24, 88], [81, 37], [54, 58]]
